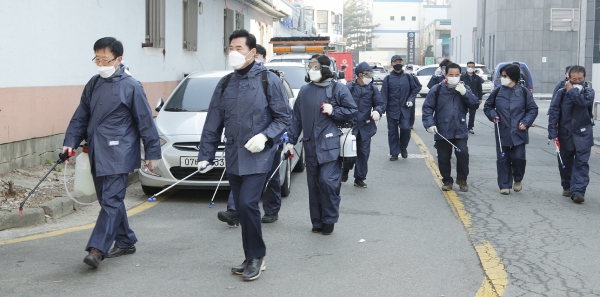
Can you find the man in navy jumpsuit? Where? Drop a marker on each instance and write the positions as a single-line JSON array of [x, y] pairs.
[[570, 121], [112, 116], [370, 109], [444, 113], [319, 105], [398, 91], [253, 124]]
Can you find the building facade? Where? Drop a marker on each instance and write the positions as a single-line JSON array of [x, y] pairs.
[[163, 40], [464, 30], [328, 19], [396, 18]]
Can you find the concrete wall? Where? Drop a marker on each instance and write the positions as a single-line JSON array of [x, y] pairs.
[[464, 18], [520, 31], [391, 34]]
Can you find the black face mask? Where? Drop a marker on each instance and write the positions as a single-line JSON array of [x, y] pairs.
[[398, 67], [577, 83]]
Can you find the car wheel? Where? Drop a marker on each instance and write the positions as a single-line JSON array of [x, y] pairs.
[[285, 188], [150, 190], [300, 165], [423, 95]]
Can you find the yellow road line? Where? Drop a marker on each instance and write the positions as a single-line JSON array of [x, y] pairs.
[[496, 279], [131, 212]]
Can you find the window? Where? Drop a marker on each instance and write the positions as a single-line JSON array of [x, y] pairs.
[[391, 18], [402, 18], [564, 19], [322, 16], [323, 26], [155, 24], [414, 18], [190, 24], [309, 14], [228, 27]]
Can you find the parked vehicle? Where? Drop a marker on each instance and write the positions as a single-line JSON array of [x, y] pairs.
[[425, 72], [293, 72], [524, 70], [180, 122], [379, 73]]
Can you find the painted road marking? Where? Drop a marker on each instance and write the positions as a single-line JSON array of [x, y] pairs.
[[131, 212], [496, 279]]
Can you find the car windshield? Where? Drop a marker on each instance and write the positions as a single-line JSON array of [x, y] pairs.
[[426, 71], [194, 95], [293, 75]]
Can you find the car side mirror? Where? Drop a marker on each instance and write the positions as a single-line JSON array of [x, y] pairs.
[[159, 104]]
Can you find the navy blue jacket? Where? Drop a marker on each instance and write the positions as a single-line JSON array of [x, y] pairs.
[[572, 114], [367, 97], [448, 112], [112, 119], [559, 85], [321, 134], [244, 111], [396, 90], [475, 83], [434, 80], [514, 105]]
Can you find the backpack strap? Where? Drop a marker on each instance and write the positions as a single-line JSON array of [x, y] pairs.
[[437, 92], [94, 86], [352, 88], [265, 82], [225, 83]]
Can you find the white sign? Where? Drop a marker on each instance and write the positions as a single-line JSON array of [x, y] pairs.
[[543, 59]]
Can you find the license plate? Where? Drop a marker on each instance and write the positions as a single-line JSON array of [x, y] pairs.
[[193, 162]]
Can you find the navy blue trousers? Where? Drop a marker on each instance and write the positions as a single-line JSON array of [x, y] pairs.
[[411, 120], [112, 224], [363, 150], [324, 183], [246, 191], [272, 196], [444, 150], [576, 175], [512, 166], [472, 112], [398, 141]]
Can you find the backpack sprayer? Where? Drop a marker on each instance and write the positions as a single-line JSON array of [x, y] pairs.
[[62, 157], [347, 142]]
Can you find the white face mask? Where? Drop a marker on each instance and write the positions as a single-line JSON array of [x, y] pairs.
[[237, 60], [107, 71], [315, 75], [408, 71], [505, 81], [367, 80], [470, 70], [453, 81]]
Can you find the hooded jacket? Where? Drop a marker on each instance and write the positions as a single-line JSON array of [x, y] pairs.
[[572, 115], [396, 90], [112, 118], [367, 98]]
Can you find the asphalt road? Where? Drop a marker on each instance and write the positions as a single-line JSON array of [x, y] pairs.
[[415, 242]]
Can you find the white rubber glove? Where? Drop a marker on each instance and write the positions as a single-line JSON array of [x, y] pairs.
[[67, 149], [438, 72], [256, 143], [375, 115], [204, 167], [327, 108], [461, 89], [152, 164], [289, 148], [432, 130], [579, 87], [409, 104]]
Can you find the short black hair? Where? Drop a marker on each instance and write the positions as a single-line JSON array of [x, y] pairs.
[[110, 43], [470, 62], [325, 71], [576, 69], [315, 56], [516, 63], [567, 69], [512, 71], [453, 65], [445, 62], [261, 50], [250, 39]]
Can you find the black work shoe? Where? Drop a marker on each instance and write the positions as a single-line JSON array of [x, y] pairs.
[[578, 198], [253, 269], [394, 158], [317, 230], [566, 193], [471, 131], [93, 258], [462, 184], [269, 219], [447, 186], [345, 175], [230, 217], [240, 268], [117, 251], [404, 154], [359, 183], [327, 229]]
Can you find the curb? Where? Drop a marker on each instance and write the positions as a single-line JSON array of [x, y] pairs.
[[54, 209]]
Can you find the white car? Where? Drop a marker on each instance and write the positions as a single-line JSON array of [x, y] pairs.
[[303, 58], [293, 72], [425, 73], [180, 122]]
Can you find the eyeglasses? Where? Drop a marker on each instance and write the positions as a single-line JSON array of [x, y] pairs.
[[314, 65], [103, 62], [367, 74], [504, 75]]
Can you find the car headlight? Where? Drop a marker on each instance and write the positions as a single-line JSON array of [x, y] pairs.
[[146, 170]]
